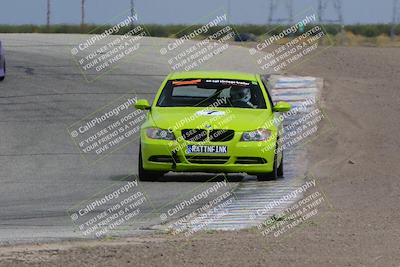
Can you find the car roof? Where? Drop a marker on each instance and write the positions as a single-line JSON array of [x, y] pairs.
[[213, 75]]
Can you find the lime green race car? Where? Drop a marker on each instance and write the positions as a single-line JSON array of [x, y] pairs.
[[208, 121]]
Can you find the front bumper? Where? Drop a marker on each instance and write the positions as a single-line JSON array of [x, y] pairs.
[[242, 157]]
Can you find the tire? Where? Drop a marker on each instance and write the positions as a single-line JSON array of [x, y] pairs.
[[269, 176], [2, 78], [147, 176], [280, 168], [276, 172]]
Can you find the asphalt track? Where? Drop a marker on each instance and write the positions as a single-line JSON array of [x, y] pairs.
[[42, 174]]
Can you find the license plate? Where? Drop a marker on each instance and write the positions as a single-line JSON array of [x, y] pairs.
[[195, 149]]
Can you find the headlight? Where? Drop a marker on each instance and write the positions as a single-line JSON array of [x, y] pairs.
[[156, 133], [257, 135]]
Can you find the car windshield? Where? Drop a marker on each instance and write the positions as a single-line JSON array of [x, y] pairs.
[[212, 92]]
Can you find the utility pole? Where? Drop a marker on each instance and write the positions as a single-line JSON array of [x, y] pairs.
[[82, 13], [132, 12], [396, 18], [321, 7], [337, 19], [337, 5], [273, 6], [229, 12], [289, 6], [48, 14]]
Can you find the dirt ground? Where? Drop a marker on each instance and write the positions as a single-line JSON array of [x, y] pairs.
[[357, 164]]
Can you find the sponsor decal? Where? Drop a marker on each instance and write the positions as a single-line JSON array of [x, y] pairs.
[[229, 82], [210, 113], [183, 83]]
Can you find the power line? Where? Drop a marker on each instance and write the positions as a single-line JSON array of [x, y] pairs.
[[323, 5], [274, 5]]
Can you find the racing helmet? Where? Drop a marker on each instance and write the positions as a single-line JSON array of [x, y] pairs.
[[239, 93]]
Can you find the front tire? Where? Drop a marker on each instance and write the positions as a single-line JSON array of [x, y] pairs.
[[276, 172], [280, 168], [147, 176]]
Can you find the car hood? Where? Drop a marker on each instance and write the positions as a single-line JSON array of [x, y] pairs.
[[238, 119]]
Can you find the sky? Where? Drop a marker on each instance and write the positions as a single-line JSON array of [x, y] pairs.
[[181, 11]]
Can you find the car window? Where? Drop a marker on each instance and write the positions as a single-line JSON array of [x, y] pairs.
[[212, 92], [268, 92], [192, 91]]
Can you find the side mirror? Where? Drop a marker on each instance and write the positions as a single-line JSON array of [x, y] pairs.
[[142, 104], [282, 106]]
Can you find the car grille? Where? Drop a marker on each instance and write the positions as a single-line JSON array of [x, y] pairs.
[[164, 159], [250, 160], [194, 135], [200, 135], [207, 159], [221, 135]]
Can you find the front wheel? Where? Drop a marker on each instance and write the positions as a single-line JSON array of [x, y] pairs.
[[147, 176], [276, 172]]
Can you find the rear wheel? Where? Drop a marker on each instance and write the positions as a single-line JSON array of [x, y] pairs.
[[149, 176]]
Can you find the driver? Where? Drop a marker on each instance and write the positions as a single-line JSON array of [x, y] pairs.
[[241, 96]]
